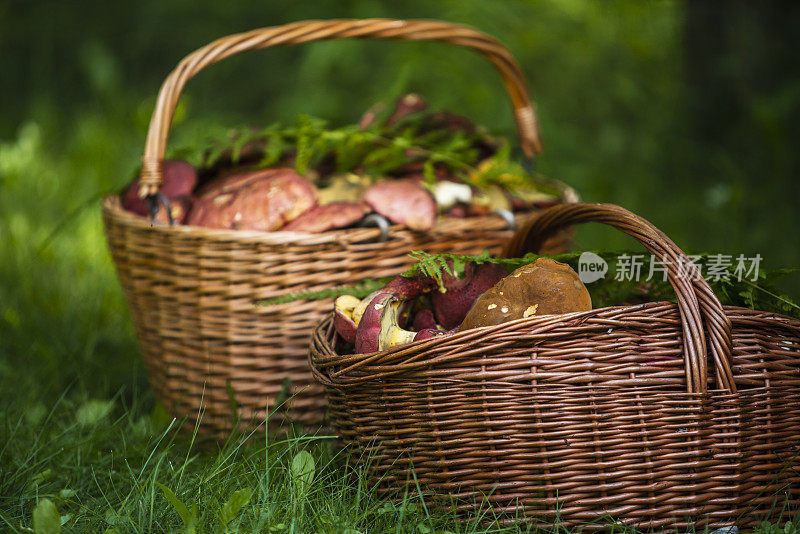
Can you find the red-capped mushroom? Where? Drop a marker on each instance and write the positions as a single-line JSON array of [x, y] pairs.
[[451, 305], [328, 217], [261, 200], [424, 320], [178, 206], [404, 202], [379, 326], [343, 317], [406, 105], [179, 180]]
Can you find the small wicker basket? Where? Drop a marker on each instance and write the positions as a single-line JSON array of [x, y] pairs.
[[659, 415], [192, 291]]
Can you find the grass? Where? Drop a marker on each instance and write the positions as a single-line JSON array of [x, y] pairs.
[[79, 428], [122, 470], [109, 466]]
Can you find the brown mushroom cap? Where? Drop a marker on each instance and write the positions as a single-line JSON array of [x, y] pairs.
[[262, 200], [544, 287], [404, 202], [179, 208], [179, 179], [328, 217]]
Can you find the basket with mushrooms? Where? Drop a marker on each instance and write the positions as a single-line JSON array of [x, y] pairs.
[[417, 306], [216, 229], [407, 166], [506, 383]]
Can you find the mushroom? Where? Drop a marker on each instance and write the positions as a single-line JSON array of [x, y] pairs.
[[424, 320], [260, 200], [543, 287], [380, 327], [491, 198], [179, 179], [378, 321], [451, 305], [361, 307], [406, 105], [179, 207], [429, 333], [328, 217], [343, 317], [404, 202], [448, 194], [347, 187]]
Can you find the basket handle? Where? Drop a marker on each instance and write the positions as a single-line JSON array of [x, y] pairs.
[[318, 30], [698, 305]]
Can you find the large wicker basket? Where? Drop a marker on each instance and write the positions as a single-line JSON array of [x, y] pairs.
[[192, 291], [658, 415]]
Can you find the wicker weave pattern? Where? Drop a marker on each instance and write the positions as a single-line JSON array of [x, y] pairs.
[[591, 413], [192, 290]]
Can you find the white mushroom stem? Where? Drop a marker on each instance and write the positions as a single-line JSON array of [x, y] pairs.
[[448, 194]]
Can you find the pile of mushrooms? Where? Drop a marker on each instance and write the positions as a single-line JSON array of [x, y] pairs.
[[416, 308], [233, 197]]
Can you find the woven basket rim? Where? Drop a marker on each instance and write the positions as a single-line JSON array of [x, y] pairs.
[[527, 323], [410, 352], [112, 207]]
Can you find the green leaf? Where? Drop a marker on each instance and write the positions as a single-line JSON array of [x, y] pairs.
[[189, 518], [235, 503], [45, 518], [303, 469], [93, 412], [275, 148]]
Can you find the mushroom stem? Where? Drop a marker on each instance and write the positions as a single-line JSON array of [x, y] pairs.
[[391, 334], [379, 324]]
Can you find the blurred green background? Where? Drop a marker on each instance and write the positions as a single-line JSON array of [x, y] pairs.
[[686, 113]]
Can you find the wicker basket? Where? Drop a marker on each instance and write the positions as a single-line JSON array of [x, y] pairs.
[[192, 290], [658, 415]]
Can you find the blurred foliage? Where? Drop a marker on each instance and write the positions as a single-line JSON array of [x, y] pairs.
[[616, 86]]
